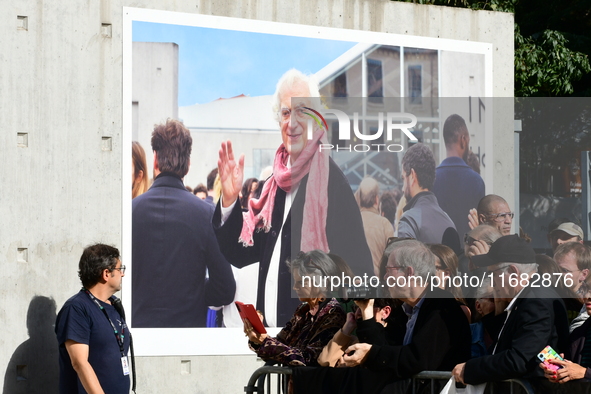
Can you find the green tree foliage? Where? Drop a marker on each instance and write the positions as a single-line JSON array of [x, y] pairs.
[[545, 66], [552, 43]]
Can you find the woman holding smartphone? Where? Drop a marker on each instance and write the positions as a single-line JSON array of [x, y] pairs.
[[314, 322]]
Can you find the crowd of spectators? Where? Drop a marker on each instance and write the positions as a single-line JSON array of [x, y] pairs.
[[482, 304]]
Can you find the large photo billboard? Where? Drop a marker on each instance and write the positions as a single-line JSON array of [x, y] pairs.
[[218, 76]]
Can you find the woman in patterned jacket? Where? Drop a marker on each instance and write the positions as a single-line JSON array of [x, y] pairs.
[[314, 322]]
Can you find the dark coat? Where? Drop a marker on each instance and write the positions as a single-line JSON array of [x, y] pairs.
[[441, 339], [344, 232], [577, 343], [538, 319], [173, 244]]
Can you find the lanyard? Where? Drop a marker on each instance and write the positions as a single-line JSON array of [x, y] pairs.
[[118, 336]]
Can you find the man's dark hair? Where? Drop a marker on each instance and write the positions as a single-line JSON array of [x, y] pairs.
[[94, 260], [211, 178], [420, 158], [453, 127], [388, 205], [381, 303], [200, 188], [172, 143], [485, 203]]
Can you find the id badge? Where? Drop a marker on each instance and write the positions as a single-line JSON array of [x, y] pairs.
[[125, 365]]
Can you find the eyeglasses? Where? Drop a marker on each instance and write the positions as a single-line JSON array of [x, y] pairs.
[[120, 269], [500, 217], [394, 268], [468, 240], [498, 269], [392, 240], [285, 113]]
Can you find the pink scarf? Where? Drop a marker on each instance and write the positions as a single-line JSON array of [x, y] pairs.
[[310, 161]]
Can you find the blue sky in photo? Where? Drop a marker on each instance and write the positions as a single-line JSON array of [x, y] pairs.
[[216, 63]]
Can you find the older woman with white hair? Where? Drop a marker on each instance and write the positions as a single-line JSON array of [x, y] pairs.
[[306, 204], [314, 322]]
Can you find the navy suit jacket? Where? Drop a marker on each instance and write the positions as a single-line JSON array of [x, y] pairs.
[[173, 244]]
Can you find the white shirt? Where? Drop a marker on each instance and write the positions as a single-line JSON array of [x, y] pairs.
[[508, 309], [273, 272]]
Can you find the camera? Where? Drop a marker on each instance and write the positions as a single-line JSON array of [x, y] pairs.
[[361, 293]]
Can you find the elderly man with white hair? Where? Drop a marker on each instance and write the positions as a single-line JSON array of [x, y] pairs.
[[536, 317], [306, 204], [430, 333]]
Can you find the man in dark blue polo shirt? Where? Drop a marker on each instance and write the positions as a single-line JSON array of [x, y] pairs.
[[93, 337]]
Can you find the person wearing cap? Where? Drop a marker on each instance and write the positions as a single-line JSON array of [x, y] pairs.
[[566, 232], [536, 317]]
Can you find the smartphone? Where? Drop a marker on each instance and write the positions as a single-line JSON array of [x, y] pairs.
[[247, 311], [547, 354]]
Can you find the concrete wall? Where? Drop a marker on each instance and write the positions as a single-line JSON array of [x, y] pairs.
[[61, 154], [155, 90]]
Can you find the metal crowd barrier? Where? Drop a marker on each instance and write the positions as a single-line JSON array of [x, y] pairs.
[[256, 383], [275, 379], [523, 385]]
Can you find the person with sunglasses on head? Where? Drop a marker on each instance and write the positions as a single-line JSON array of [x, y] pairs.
[[492, 210], [92, 334]]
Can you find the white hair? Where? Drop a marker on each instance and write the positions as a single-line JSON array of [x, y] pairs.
[[289, 80], [484, 289], [522, 268], [416, 255]]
